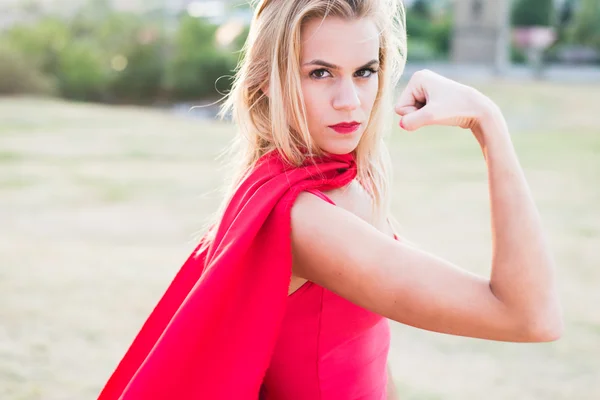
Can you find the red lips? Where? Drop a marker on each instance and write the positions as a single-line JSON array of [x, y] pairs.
[[345, 127]]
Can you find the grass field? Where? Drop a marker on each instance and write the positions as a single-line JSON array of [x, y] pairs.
[[98, 206]]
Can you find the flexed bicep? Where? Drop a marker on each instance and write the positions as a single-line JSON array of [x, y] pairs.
[[344, 254]]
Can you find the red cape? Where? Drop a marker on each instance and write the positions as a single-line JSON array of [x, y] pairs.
[[212, 334]]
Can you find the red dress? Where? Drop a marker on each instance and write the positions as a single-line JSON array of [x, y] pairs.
[[328, 349]]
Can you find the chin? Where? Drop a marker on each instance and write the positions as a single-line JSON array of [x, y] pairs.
[[339, 148], [343, 145]]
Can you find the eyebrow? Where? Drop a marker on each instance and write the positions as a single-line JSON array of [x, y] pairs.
[[332, 66]]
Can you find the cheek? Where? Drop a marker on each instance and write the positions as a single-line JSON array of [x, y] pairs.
[[370, 94], [315, 100]]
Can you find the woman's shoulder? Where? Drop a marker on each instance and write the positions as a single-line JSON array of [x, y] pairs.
[[355, 199], [327, 212]]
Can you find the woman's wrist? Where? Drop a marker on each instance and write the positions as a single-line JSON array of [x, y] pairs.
[[491, 130]]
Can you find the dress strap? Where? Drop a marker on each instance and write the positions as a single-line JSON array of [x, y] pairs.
[[323, 196], [320, 194]]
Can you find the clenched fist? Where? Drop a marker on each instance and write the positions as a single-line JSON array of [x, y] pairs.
[[431, 99]]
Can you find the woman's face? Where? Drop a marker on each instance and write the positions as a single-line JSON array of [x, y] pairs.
[[339, 73]]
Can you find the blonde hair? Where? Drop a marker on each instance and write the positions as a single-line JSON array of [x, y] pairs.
[[271, 58]]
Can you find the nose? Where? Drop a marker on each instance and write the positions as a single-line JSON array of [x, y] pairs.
[[346, 97]]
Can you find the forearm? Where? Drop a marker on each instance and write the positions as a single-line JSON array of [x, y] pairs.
[[523, 276]]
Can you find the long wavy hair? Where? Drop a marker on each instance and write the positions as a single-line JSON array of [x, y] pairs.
[[271, 58]]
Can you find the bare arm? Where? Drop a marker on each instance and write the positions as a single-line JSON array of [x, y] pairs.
[[343, 253], [523, 276]]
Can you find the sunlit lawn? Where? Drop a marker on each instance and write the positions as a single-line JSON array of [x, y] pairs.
[[98, 206]]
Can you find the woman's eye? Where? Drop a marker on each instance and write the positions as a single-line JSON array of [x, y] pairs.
[[323, 73], [319, 73], [366, 73]]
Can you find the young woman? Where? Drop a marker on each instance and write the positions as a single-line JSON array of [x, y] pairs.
[[289, 294]]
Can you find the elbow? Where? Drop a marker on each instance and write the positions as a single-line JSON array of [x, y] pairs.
[[547, 329], [546, 334]]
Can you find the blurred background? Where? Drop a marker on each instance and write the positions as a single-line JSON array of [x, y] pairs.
[[107, 173]]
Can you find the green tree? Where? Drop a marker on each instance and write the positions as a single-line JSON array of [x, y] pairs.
[[196, 65], [586, 25], [441, 34], [421, 8], [18, 75], [533, 12], [139, 45], [429, 33], [41, 43], [564, 19], [82, 72], [142, 78]]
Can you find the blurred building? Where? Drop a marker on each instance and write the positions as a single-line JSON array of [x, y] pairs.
[[481, 32]]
